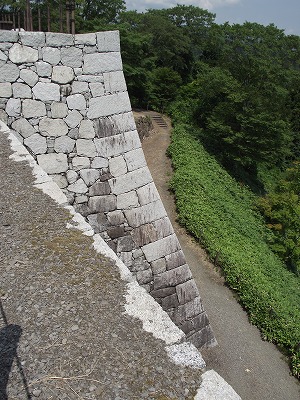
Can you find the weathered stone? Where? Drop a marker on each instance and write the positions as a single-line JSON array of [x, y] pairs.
[[173, 277], [108, 105], [62, 74], [36, 143], [81, 198], [158, 266], [130, 181], [86, 129], [71, 56], [117, 166], [119, 144], [33, 39], [116, 218], [29, 77], [90, 78], [139, 264], [135, 159], [23, 127], [20, 90], [5, 90], [125, 244], [3, 56], [187, 291], [53, 127], [143, 235], [204, 339], [51, 55], [98, 204], [13, 107], [53, 163], [108, 41], [100, 162], [97, 89], [114, 82], [175, 260], [169, 302], [88, 39], [59, 39], [98, 222], [76, 102], [97, 63], [78, 187], [79, 87], [89, 176], [19, 54], [9, 72], [46, 91], [124, 122], [3, 116], [200, 321], [73, 119], [64, 144], [115, 232], [71, 176], [43, 69], [187, 311], [147, 194], [161, 248], [86, 148], [60, 180], [99, 189], [65, 90], [163, 227], [59, 110], [9, 36], [126, 257], [79, 163], [33, 108], [145, 214], [127, 200], [160, 293], [144, 277], [104, 127]]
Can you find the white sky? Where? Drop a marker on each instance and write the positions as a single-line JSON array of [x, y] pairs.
[[284, 14]]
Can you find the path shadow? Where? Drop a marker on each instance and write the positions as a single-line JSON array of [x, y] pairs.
[[9, 338]]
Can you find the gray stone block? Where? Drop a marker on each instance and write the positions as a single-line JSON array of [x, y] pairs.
[[71, 176], [5, 90], [90, 78], [62, 74], [187, 311], [203, 339], [126, 257], [144, 277], [98, 222], [172, 278], [3, 56], [158, 266], [51, 55], [85, 147], [135, 159], [86, 39], [108, 105], [73, 119], [59, 110], [124, 122], [147, 194], [125, 243], [60, 180], [118, 144], [13, 107], [43, 69], [53, 127], [117, 166], [64, 144], [79, 87], [46, 91], [78, 187], [187, 291], [145, 214], [169, 302], [89, 176], [139, 263], [163, 227], [144, 234], [200, 321], [33, 108], [108, 41], [99, 189], [161, 248], [79, 163], [176, 259], [71, 57], [97, 89], [29, 77], [59, 39], [99, 204], [127, 200], [115, 232], [19, 54], [36, 143], [86, 129], [9, 36], [53, 163], [97, 63], [130, 181], [114, 82], [20, 90], [116, 218], [33, 39], [76, 102], [9, 72], [160, 293], [23, 127]]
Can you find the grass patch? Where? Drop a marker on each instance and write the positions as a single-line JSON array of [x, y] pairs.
[[219, 212]]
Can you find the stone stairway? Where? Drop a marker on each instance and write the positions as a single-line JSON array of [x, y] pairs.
[[158, 119]]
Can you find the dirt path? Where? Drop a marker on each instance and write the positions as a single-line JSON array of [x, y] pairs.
[[255, 369]]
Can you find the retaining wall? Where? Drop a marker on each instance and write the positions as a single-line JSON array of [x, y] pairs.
[[65, 97]]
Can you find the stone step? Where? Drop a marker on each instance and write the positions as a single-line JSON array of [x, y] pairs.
[[159, 121]]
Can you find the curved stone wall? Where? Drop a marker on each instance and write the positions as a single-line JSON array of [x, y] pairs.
[[65, 97]]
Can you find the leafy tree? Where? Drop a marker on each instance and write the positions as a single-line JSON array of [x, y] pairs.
[[106, 10]]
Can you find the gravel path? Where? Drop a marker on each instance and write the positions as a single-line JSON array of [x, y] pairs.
[[63, 331], [254, 368]]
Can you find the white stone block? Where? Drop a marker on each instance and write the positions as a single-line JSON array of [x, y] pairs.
[[53, 127], [117, 166], [64, 144], [46, 91], [88, 39], [114, 82], [79, 163], [60, 180], [51, 55], [108, 105], [72, 176], [86, 129], [76, 102], [43, 69], [33, 108], [79, 87], [214, 387], [145, 214], [62, 74], [73, 119], [85, 147], [99, 162], [36, 143], [53, 163], [13, 107], [21, 90], [59, 110], [23, 127], [71, 57], [9, 72], [78, 187], [97, 63], [97, 89], [127, 200], [108, 41], [89, 176], [147, 194], [5, 90], [135, 159], [130, 181], [19, 54], [118, 144], [29, 77], [59, 39]]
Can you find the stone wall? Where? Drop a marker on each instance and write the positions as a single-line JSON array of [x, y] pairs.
[[65, 97]]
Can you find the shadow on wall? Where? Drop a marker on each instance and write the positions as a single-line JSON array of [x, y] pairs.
[[9, 339]]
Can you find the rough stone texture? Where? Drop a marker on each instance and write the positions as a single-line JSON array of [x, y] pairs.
[[88, 39], [51, 55], [117, 166], [59, 110], [13, 107], [98, 204], [147, 194], [118, 144], [127, 200], [59, 39], [23, 127], [29, 77], [85, 148], [71, 56], [5, 90], [78, 187], [79, 87], [44, 69], [160, 248], [89, 176], [36, 143], [9, 73], [173, 278], [53, 163], [64, 144], [108, 41], [98, 63], [53, 127], [145, 214], [33, 108], [100, 162], [62, 74], [19, 54], [73, 119], [46, 91], [108, 105], [76, 102], [86, 129], [20, 90], [132, 180], [33, 39], [97, 89], [114, 82]]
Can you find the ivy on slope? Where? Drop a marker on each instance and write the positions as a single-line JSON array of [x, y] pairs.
[[218, 211]]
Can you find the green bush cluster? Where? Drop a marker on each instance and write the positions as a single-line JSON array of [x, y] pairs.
[[219, 212]]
